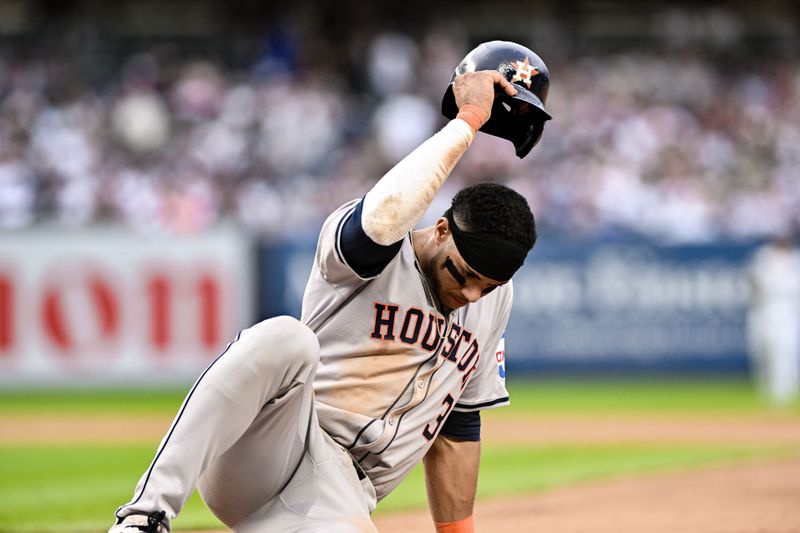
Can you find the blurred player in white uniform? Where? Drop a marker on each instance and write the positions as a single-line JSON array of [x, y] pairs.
[[306, 425], [774, 322]]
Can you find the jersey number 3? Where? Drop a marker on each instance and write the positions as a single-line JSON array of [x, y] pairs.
[[430, 432]]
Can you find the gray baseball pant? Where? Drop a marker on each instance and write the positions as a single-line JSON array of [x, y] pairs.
[[248, 436]]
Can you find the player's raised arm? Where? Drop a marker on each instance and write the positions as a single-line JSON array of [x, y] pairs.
[[401, 197], [499, 88]]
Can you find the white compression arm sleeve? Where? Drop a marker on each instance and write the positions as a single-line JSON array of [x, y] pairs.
[[401, 197]]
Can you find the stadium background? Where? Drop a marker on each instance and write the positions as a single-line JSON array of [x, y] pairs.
[[165, 166]]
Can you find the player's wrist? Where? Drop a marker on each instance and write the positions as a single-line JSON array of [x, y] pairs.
[[465, 525], [473, 115]]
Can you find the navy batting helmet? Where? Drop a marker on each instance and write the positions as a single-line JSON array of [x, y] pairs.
[[519, 118]]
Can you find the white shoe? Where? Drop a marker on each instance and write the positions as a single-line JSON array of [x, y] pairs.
[[147, 523]]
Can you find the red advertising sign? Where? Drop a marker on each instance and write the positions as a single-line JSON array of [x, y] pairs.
[[103, 306]]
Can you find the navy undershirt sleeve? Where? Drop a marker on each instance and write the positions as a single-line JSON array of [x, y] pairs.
[[366, 257], [463, 426]]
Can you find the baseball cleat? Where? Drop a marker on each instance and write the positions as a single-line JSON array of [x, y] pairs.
[[147, 523]]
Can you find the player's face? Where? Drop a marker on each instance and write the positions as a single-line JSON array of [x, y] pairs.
[[456, 283]]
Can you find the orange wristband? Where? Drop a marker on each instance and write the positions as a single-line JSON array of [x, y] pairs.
[[464, 525], [472, 115]]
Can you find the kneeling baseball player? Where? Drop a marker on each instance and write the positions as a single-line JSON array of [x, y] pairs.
[[306, 425]]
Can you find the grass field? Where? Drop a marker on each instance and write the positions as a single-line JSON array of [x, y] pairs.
[[61, 487], [584, 396]]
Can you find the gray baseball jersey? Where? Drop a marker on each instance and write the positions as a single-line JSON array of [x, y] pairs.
[[392, 366]]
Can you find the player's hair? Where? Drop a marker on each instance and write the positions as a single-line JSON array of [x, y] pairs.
[[494, 208]]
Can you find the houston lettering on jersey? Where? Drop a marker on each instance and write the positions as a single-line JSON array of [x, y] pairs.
[[458, 345]]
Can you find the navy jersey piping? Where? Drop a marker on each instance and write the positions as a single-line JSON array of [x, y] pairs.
[[336, 244], [433, 357], [177, 420], [482, 405], [400, 420]]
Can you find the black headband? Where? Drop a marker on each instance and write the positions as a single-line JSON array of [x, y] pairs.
[[492, 255]]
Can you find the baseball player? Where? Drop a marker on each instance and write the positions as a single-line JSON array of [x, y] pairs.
[[774, 319], [306, 425]]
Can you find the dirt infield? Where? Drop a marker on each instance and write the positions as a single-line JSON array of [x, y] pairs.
[[762, 497], [776, 429], [749, 497]]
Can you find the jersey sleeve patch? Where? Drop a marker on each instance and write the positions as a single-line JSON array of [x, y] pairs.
[[500, 357]]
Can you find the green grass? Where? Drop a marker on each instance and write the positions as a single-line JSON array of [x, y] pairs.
[[76, 401], [646, 395], [76, 489], [72, 488], [540, 396]]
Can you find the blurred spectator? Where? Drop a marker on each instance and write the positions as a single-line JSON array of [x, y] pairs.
[[392, 63], [299, 123], [678, 149], [197, 95], [17, 193], [141, 121], [403, 122]]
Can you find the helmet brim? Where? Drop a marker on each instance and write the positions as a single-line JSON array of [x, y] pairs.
[[524, 95]]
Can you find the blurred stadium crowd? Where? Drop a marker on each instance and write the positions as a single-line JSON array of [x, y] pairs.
[[673, 147]]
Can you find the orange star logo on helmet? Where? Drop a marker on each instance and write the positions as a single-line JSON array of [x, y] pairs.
[[524, 72]]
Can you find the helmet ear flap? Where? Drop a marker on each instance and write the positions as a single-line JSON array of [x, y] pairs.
[[524, 130], [526, 140]]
